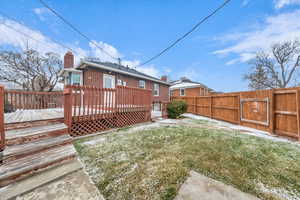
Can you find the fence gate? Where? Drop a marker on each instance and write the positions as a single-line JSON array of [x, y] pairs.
[[286, 113]]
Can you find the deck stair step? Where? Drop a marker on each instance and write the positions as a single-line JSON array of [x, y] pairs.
[[17, 151], [26, 135], [23, 167], [13, 190]]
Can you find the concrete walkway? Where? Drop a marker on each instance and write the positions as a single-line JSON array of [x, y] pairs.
[[74, 186], [199, 187]]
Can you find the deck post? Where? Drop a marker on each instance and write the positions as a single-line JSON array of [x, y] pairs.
[[68, 107], [2, 133]]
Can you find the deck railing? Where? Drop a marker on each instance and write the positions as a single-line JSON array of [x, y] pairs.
[[31, 100], [89, 108]]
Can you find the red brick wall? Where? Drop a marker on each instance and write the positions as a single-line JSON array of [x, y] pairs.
[[191, 92], [163, 93], [69, 60], [94, 77]]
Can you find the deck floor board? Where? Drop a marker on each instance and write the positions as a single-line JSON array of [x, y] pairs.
[[53, 113]]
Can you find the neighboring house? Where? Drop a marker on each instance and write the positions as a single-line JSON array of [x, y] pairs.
[[108, 75], [186, 87]]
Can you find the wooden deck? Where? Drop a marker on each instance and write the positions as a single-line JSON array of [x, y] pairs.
[[52, 113], [33, 115]]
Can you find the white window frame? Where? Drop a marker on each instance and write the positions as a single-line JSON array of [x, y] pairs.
[[182, 89], [119, 82], [156, 89], [71, 79], [144, 84], [112, 80]]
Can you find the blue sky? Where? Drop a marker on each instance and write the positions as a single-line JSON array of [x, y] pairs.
[[216, 54]]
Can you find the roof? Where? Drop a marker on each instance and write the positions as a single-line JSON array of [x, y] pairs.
[[118, 68], [62, 72], [187, 83]]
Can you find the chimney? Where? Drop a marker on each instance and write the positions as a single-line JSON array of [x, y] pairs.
[[69, 60], [164, 78]]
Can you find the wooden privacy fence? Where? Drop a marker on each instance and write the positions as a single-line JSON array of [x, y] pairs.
[[276, 111], [89, 109], [27, 100]]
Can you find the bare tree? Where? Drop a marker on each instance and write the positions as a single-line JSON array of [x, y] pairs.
[[277, 69], [30, 70]]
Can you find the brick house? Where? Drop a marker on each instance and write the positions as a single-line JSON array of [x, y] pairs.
[[92, 72], [186, 87]]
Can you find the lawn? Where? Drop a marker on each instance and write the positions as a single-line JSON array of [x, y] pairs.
[[152, 164]]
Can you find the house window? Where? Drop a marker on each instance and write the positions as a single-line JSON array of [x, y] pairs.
[[182, 92], [108, 81], [119, 82], [142, 84], [124, 83], [156, 89], [74, 79]]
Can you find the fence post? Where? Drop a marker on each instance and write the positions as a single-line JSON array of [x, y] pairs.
[[211, 102], [271, 114], [195, 106], [68, 107], [298, 114], [2, 133], [239, 108]]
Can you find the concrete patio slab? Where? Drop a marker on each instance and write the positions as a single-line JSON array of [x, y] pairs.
[[74, 186], [199, 187]]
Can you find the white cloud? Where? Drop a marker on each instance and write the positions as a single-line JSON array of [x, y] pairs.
[[282, 3], [245, 2], [41, 13], [275, 29], [148, 69], [96, 52], [8, 36], [17, 40]]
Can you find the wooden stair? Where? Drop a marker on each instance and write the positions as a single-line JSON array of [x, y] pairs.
[[33, 150]]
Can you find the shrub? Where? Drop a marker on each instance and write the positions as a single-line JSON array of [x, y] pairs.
[[176, 108]]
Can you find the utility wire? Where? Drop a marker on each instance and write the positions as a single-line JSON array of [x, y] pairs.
[[29, 36], [76, 29], [186, 34]]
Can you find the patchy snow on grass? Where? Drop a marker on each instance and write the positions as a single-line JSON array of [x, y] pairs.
[[279, 192], [168, 121], [95, 141], [246, 130]]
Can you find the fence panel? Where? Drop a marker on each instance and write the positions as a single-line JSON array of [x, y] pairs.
[[203, 106], [276, 111], [94, 109], [225, 108]]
